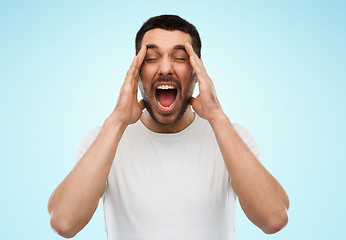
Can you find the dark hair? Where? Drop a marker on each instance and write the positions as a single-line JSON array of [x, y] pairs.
[[170, 22]]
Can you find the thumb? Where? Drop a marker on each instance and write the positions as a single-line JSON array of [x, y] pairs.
[[141, 104], [192, 99], [196, 104]]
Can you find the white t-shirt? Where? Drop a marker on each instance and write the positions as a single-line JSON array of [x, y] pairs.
[[169, 186]]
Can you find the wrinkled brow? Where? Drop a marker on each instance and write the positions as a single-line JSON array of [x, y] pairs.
[[176, 47]]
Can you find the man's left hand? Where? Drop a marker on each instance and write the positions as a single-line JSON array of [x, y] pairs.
[[206, 104]]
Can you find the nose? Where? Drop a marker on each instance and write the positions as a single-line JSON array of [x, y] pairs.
[[165, 68]]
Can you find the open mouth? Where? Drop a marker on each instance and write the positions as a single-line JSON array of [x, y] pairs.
[[165, 95]]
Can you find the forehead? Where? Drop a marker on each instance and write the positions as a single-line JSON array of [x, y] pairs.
[[166, 40]]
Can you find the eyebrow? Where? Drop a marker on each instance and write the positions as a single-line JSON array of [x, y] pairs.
[[176, 47], [151, 46]]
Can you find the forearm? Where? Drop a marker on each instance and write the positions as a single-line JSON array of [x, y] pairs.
[[261, 196], [75, 200]]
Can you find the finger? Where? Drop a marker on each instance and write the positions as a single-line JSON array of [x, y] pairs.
[[197, 67], [189, 49], [197, 64], [131, 71], [202, 75], [141, 55], [191, 52]]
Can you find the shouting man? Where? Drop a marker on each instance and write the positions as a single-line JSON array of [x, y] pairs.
[[169, 166]]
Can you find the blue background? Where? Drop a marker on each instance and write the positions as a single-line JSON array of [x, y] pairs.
[[278, 68]]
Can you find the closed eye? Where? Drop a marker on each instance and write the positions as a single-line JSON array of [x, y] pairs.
[[150, 59], [180, 58]]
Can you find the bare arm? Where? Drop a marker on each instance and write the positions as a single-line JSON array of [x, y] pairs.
[[261, 196], [74, 201]]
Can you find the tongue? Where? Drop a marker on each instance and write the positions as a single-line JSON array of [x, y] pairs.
[[166, 97]]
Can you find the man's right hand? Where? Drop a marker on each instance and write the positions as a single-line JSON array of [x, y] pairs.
[[74, 201], [128, 110]]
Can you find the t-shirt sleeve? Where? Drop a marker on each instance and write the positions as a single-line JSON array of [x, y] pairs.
[[86, 143], [248, 139]]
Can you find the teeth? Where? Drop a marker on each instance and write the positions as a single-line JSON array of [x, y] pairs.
[[165, 87], [166, 108]]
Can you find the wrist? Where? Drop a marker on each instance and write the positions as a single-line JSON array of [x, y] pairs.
[[219, 119], [114, 123]]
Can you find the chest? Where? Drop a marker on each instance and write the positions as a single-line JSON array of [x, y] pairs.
[[169, 176]]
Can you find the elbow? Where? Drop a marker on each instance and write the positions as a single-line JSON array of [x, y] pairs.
[[62, 228], [275, 224]]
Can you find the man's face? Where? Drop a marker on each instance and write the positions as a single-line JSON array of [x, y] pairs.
[[167, 79]]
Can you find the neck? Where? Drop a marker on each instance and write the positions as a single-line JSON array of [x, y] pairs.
[[178, 126]]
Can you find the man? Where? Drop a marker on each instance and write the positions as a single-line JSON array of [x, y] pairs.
[[174, 170]]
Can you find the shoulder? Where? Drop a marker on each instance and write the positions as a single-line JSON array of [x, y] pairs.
[[247, 138], [242, 131], [91, 135]]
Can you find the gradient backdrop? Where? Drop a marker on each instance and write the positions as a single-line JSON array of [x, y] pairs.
[[278, 68]]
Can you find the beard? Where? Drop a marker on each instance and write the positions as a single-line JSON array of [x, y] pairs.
[[182, 98]]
